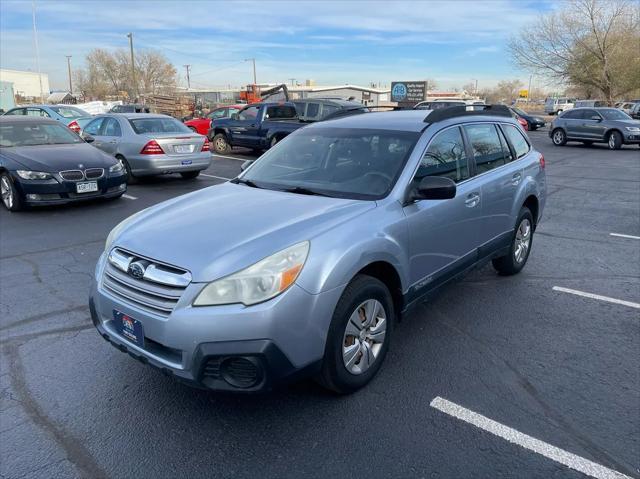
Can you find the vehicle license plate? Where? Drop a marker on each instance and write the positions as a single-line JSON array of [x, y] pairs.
[[183, 148], [87, 187], [129, 328]]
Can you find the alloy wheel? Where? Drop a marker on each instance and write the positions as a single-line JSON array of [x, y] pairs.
[[364, 336], [558, 137], [612, 141], [221, 144], [522, 241], [7, 192]]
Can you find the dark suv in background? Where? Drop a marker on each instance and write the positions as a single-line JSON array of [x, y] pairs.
[[595, 125]]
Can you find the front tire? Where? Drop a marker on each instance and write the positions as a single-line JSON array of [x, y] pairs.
[[220, 144], [10, 195], [513, 262], [131, 180], [359, 335], [614, 141], [559, 137], [190, 175]]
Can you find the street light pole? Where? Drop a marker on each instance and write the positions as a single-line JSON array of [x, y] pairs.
[[255, 81], [133, 66], [69, 69], [35, 41], [529, 90]]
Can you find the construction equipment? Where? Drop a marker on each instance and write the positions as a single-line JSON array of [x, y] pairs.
[[254, 94]]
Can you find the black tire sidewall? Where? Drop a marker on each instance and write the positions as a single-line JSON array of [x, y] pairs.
[[215, 144], [334, 372], [618, 140], [513, 267], [17, 200]]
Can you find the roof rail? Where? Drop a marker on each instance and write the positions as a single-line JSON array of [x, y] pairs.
[[473, 110]]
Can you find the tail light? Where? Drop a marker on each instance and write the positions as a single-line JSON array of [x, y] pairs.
[[206, 146], [152, 148], [542, 161], [74, 126]]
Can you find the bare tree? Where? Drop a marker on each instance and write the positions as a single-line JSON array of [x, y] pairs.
[[108, 73], [592, 44]]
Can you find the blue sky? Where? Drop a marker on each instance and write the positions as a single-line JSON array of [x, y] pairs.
[[332, 42]]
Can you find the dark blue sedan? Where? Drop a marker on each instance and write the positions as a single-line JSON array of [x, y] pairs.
[[533, 122], [43, 162]]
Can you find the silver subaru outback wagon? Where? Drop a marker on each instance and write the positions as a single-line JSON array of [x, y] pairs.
[[303, 263]]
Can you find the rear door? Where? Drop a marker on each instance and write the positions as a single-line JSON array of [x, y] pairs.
[[499, 176], [110, 135], [443, 233], [572, 122]]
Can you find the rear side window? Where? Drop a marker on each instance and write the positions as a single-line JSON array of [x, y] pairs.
[[281, 112], [518, 141], [93, 128], [488, 150], [111, 127], [445, 156]]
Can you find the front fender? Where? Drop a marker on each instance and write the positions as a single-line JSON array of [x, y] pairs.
[[336, 257]]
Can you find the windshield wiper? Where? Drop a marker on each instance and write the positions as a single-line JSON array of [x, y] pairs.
[[305, 191], [245, 182]]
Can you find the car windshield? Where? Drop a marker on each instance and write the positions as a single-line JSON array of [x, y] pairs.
[[613, 114], [338, 162], [31, 134], [69, 111], [158, 125]]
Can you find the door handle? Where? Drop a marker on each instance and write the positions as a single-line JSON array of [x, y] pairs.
[[472, 200], [515, 179]]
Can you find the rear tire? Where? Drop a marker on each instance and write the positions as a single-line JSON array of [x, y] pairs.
[[559, 137], [10, 195], [521, 242], [221, 144], [614, 140], [359, 335], [190, 175]]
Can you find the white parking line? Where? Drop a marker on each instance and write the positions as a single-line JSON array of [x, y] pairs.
[[597, 296], [129, 197], [214, 176], [511, 435], [619, 235], [233, 158]]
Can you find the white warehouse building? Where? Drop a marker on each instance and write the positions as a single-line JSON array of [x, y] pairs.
[[26, 84]]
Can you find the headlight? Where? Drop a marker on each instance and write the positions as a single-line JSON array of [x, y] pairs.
[[264, 280], [117, 168], [33, 175], [633, 128], [118, 229]]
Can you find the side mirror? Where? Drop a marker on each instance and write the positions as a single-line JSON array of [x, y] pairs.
[[88, 138], [434, 188], [246, 165], [596, 117]]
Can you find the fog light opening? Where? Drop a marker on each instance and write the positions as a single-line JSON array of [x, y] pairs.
[[242, 372]]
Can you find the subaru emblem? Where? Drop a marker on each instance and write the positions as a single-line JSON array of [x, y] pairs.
[[136, 269]]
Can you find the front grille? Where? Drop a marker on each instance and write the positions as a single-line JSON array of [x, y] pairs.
[[157, 292], [93, 173], [72, 175]]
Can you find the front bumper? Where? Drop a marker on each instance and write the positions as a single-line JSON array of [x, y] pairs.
[[219, 347], [57, 191], [143, 165], [632, 138]]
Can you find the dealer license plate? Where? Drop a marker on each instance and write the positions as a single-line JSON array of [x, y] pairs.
[[129, 328]]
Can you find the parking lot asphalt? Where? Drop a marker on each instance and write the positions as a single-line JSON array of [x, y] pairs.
[[473, 378]]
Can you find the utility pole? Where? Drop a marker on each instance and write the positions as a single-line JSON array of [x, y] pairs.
[[35, 41], [292, 80], [254, 69], [69, 69], [133, 66], [188, 79]]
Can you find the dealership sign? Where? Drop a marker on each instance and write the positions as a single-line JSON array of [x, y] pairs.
[[408, 91]]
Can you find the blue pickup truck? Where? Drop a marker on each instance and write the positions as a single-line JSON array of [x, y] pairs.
[[262, 125], [257, 126]]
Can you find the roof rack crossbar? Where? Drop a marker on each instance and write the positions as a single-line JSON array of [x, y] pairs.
[[456, 111]]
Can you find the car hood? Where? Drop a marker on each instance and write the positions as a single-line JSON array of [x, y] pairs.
[[53, 158], [629, 122], [219, 230]]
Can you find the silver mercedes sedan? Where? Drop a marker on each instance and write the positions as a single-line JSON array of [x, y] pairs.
[[149, 144]]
